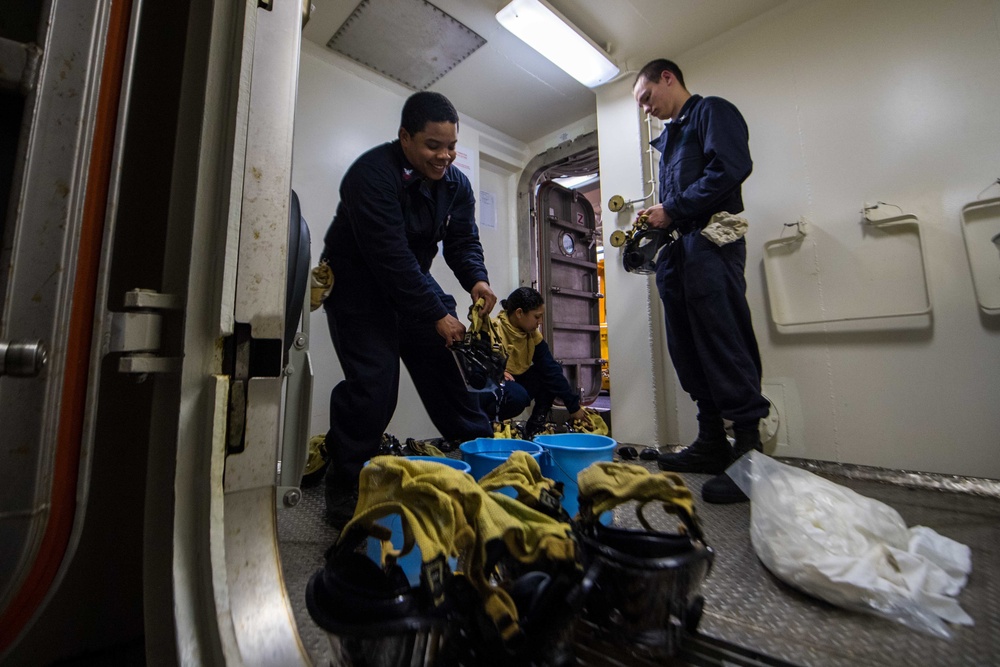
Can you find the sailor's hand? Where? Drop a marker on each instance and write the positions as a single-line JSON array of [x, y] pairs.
[[482, 290], [658, 216], [508, 377], [579, 414], [449, 328]]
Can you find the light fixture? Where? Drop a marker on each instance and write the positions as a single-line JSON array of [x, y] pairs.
[[547, 31]]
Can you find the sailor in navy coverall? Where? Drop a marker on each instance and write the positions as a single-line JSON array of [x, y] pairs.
[[397, 202], [704, 159]]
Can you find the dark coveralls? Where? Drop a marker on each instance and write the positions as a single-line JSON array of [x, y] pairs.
[[384, 302], [704, 159], [542, 382]]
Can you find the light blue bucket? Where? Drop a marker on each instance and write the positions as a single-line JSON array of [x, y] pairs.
[[412, 561], [485, 454], [566, 454]]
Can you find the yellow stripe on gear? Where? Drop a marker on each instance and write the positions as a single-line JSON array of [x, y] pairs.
[[520, 471], [446, 513], [605, 485]]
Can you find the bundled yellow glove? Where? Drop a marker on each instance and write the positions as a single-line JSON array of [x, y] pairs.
[[447, 514], [506, 429], [320, 284], [594, 423], [605, 485]]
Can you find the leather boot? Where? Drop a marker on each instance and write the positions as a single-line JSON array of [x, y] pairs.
[[721, 489], [341, 501], [710, 453]]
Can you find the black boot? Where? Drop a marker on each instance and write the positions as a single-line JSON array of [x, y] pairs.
[[721, 489], [341, 501], [709, 453], [534, 425]]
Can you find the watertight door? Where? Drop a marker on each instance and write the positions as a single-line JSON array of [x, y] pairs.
[[569, 283], [60, 70]]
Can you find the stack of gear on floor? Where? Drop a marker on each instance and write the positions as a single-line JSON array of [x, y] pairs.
[[508, 580], [593, 423]]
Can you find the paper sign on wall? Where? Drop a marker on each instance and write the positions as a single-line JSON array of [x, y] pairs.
[[487, 209]]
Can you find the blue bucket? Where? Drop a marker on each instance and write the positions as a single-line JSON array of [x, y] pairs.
[[412, 561], [566, 454], [485, 454]]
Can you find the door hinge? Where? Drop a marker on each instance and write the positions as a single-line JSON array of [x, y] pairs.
[[136, 332]]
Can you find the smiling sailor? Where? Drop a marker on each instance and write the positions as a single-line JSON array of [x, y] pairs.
[[397, 202]]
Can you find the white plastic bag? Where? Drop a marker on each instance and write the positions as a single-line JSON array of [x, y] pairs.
[[850, 550]]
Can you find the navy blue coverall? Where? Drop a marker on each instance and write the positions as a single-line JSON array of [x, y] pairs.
[[384, 302], [543, 382], [704, 159]]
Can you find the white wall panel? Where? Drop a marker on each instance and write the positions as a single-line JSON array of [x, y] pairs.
[[639, 404], [343, 111], [849, 102]]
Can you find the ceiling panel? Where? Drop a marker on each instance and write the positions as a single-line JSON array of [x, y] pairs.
[[508, 86]]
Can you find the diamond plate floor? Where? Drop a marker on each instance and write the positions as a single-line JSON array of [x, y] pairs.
[[748, 606]]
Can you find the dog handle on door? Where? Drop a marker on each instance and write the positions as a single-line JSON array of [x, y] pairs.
[[22, 358]]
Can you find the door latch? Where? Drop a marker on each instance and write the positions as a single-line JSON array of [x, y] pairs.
[[23, 359]]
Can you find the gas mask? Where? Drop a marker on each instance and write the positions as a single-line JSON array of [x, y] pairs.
[[641, 245], [480, 362], [480, 355]]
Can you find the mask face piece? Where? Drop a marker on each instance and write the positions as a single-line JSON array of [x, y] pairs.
[[643, 248], [481, 365]]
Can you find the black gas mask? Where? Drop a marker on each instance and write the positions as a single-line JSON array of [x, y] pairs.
[[480, 355], [641, 245], [481, 364]]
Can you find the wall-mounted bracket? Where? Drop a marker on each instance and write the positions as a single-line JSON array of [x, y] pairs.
[[808, 284], [981, 233]]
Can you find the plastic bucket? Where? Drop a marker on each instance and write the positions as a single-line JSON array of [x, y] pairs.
[[566, 454], [412, 561], [485, 454]]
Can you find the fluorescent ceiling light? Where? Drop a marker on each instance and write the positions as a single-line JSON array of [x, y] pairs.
[[545, 30]]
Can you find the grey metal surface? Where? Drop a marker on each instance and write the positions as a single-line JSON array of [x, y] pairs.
[[39, 252], [748, 606], [261, 616], [303, 538], [745, 604], [298, 407]]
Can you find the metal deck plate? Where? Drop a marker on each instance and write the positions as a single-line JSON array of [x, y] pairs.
[[748, 606], [745, 604]]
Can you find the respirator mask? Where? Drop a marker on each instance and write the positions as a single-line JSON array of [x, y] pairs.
[[480, 355], [641, 245]]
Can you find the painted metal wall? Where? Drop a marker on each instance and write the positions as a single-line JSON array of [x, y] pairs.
[[851, 102], [343, 111]]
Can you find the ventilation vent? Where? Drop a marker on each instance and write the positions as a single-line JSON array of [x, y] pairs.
[[410, 41]]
